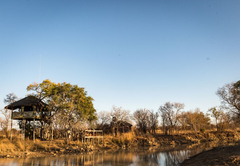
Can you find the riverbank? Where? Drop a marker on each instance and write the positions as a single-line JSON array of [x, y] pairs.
[[224, 155], [22, 149], [29, 149]]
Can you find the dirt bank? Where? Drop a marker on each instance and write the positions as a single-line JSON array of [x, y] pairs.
[[190, 138], [229, 155], [28, 148]]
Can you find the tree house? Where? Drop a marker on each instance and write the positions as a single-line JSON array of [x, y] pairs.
[[29, 108]]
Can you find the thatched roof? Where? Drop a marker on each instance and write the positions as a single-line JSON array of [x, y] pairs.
[[123, 123], [27, 101]]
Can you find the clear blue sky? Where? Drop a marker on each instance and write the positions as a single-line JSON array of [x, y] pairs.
[[129, 53]]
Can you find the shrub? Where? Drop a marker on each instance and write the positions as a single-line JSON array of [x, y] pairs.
[[202, 130]]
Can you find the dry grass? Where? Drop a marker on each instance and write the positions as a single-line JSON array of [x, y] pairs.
[[17, 145], [192, 131], [125, 138], [128, 139], [20, 145], [6, 146]]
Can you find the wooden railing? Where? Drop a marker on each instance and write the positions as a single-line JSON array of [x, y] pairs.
[[27, 115], [91, 135]]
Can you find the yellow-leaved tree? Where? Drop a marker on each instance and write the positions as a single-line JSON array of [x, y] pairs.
[[69, 104]]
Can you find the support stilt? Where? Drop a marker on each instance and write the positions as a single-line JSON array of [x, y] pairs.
[[11, 127], [23, 129], [34, 111], [34, 130], [52, 131]]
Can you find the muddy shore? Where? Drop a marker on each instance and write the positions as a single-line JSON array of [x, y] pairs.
[[224, 155]]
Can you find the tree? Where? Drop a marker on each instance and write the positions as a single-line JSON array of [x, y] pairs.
[[10, 98], [191, 119], [230, 96], [215, 113], [233, 119], [170, 113], [153, 121], [224, 120], [141, 118], [69, 103], [183, 120], [202, 119], [118, 115], [5, 121], [195, 118], [103, 118]]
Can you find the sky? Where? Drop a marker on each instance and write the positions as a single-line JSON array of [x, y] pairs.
[[129, 53]]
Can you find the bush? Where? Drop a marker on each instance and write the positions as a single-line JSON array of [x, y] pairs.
[[202, 130]]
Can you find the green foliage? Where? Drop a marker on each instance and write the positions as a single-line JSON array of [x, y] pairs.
[[69, 102], [237, 84], [216, 113], [117, 141], [202, 130], [14, 130]]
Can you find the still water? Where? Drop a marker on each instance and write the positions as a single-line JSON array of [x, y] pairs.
[[163, 156]]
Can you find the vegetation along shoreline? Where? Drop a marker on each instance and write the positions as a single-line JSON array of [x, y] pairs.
[[59, 119], [28, 148]]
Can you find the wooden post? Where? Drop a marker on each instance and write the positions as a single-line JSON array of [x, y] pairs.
[[84, 136], [34, 130], [23, 129], [34, 116], [41, 131], [11, 125], [52, 131], [93, 138], [23, 124]]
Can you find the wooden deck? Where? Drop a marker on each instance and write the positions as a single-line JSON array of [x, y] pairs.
[[26, 115], [91, 135]]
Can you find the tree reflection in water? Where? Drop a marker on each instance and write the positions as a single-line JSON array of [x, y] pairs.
[[164, 156]]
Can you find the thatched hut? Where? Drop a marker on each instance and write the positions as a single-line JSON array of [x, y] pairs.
[[29, 108], [120, 126]]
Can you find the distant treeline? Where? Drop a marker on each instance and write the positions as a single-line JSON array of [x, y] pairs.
[[72, 111]]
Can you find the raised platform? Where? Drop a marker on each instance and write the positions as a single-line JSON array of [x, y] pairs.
[[26, 115], [93, 134]]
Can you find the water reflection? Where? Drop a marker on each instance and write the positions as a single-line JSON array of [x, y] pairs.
[[168, 158], [163, 156]]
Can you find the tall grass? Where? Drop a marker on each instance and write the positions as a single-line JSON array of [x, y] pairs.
[[6, 146], [17, 145], [120, 139]]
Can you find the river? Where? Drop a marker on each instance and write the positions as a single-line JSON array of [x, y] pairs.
[[161, 156]]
